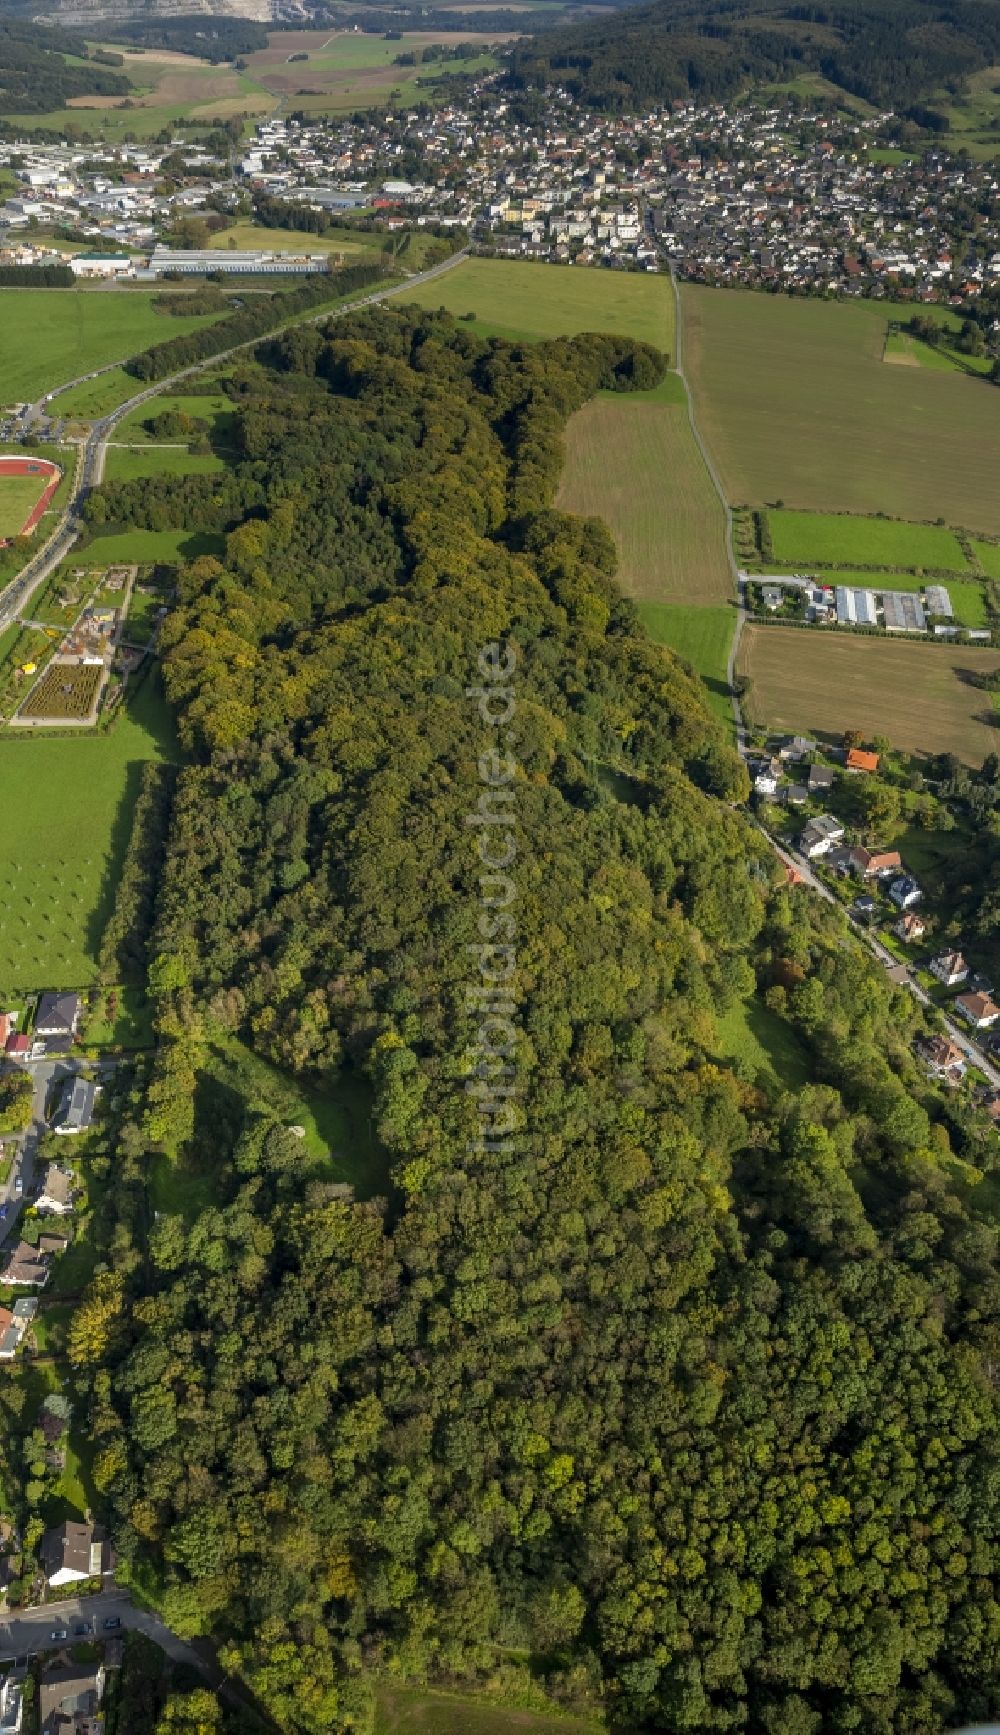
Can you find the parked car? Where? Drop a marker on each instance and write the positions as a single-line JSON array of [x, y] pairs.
[[112, 1624], [58, 1633], [81, 1629], [18, 1186]]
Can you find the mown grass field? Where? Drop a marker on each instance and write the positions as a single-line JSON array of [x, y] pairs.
[[771, 1050], [703, 637], [125, 464], [167, 90], [525, 302], [346, 70], [837, 537], [988, 556], [636, 465], [140, 547], [18, 496], [52, 335], [796, 404], [357, 246], [65, 814], [824, 683], [420, 1711]]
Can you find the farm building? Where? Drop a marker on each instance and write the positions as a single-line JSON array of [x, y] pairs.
[[938, 601], [904, 612], [855, 608]]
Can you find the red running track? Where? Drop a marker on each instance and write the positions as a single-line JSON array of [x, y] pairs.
[[32, 467]]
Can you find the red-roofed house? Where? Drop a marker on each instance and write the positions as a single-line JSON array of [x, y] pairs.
[[18, 1046], [858, 760]]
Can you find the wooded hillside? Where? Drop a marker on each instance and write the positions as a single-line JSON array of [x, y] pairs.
[[676, 1393]]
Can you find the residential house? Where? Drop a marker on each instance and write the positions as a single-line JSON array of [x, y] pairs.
[[11, 1706], [949, 968], [768, 776], [76, 1109], [943, 1059], [905, 892], [819, 834], [18, 1047], [58, 1192], [866, 905], [798, 748], [13, 1325], [27, 1267], [73, 1552], [910, 928], [978, 1009], [58, 1016], [796, 795], [820, 778], [69, 1698], [872, 864], [857, 760]]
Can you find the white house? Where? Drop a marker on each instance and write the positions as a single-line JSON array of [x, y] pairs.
[[949, 968], [978, 1009], [905, 892]]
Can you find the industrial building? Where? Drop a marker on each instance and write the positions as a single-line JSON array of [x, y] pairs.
[[856, 608], [230, 262], [938, 601], [904, 612]]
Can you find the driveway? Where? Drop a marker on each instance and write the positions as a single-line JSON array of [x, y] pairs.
[[45, 1073], [25, 1632]]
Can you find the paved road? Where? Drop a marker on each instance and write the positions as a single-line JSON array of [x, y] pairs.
[[45, 1073], [24, 1632], [14, 600]]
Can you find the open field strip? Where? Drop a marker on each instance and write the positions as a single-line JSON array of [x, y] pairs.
[[636, 466], [702, 636], [356, 247], [795, 403], [823, 683], [51, 334], [836, 537], [527, 302], [128, 463], [988, 556]]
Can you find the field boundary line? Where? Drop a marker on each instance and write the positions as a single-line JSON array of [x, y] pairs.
[[727, 509]]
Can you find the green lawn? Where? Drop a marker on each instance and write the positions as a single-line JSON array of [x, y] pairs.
[[94, 398], [419, 1711], [127, 1023], [213, 408], [65, 813], [51, 335], [523, 301], [968, 602], [768, 1047], [701, 635], [141, 547], [988, 556], [820, 536], [357, 245], [126, 464], [18, 496]]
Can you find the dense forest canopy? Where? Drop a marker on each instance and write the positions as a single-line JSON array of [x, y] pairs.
[[680, 1383], [891, 52]]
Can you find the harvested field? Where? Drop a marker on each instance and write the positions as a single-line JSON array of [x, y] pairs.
[[636, 465], [823, 683], [796, 404]]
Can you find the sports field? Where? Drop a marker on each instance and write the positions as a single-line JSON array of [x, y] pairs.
[[794, 399], [824, 683], [838, 537], [524, 302], [65, 813], [52, 335], [18, 497], [636, 465]]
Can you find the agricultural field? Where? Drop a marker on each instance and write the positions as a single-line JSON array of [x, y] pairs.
[[141, 547], [348, 70], [988, 556], [636, 465], [837, 537], [65, 692], [795, 402], [168, 90], [975, 117], [357, 246], [56, 334], [18, 497], [66, 804], [902, 349], [525, 302], [703, 637], [915, 694]]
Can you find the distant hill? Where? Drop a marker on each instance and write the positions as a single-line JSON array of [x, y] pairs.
[[35, 77], [890, 52]]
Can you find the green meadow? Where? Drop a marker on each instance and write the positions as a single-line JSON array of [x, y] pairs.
[[525, 302], [53, 335], [703, 637], [836, 537]]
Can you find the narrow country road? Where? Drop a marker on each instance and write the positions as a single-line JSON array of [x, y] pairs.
[[90, 469]]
